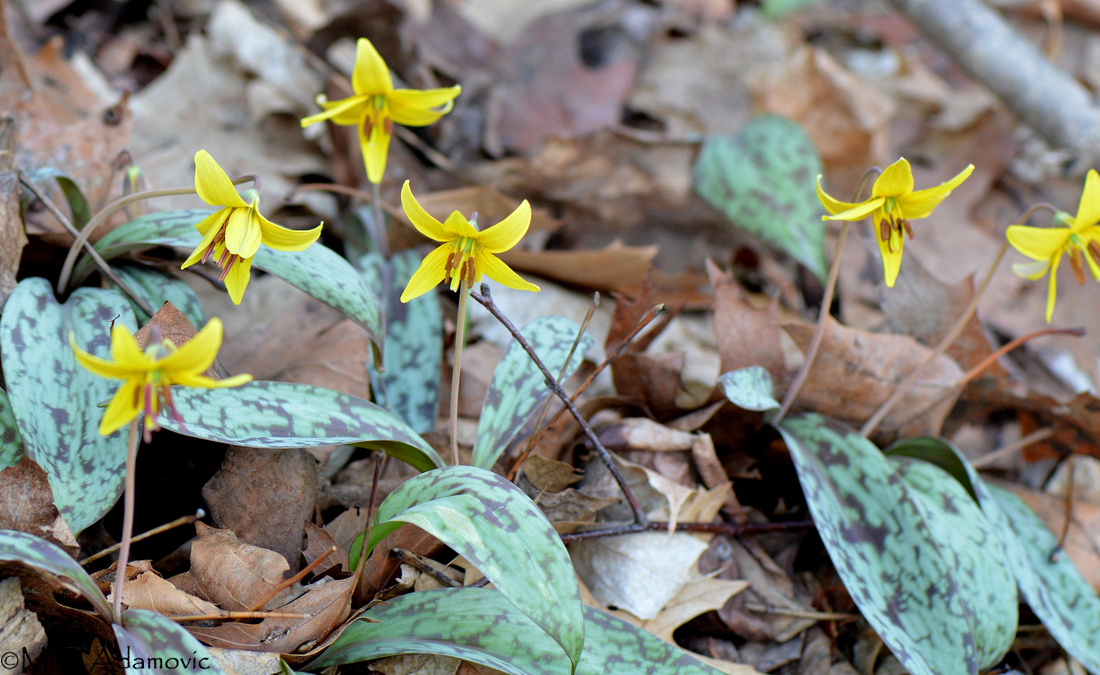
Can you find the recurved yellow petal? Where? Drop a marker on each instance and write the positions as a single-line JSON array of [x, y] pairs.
[[896, 179], [125, 350], [370, 76], [375, 144], [428, 275], [418, 108], [212, 183], [833, 206], [507, 233], [237, 279], [891, 260], [284, 239], [345, 112], [495, 269], [125, 405], [457, 225], [858, 211], [1052, 287], [920, 204], [96, 365], [1038, 243], [242, 233], [1088, 209], [198, 353], [421, 219]]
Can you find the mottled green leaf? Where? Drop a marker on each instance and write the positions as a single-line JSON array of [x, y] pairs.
[[879, 539], [11, 443], [973, 552], [491, 523], [156, 288], [480, 625], [749, 388], [56, 402], [43, 556], [1057, 593], [763, 180], [519, 388], [317, 271], [154, 644], [414, 342], [78, 204], [285, 415]]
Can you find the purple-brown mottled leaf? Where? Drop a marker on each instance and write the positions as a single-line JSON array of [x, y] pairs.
[[409, 388], [11, 444], [879, 539], [318, 271], [974, 552], [56, 402], [154, 644], [41, 555], [480, 625], [519, 387], [156, 288], [1056, 591], [285, 415], [491, 523]]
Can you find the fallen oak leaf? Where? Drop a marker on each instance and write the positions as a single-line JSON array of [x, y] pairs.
[[150, 591]]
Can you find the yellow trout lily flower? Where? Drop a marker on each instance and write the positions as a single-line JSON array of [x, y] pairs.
[[892, 205], [234, 233], [376, 105], [1077, 236], [147, 375], [466, 253]]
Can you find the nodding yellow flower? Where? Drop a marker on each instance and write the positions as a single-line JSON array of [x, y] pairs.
[[1076, 236], [892, 204], [376, 105], [234, 233], [147, 375], [466, 253]]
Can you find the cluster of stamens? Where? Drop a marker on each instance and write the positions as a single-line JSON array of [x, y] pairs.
[[156, 387], [226, 260], [377, 107], [891, 224], [1076, 255]]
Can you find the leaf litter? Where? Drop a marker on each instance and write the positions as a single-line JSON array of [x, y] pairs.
[[596, 115]]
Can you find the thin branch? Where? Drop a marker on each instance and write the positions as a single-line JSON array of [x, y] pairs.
[[487, 302]]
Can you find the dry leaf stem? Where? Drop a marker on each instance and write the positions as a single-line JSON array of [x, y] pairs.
[[184, 520]]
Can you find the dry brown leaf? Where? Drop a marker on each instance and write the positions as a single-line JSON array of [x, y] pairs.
[[265, 496], [701, 594], [12, 235], [417, 664], [845, 116], [26, 505], [856, 371], [326, 602], [570, 506], [543, 88], [20, 631], [149, 591], [616, 267], [769, 586], [746, 335], [232, 574], [548, 475], [319, 541], [923, 307], [639, 433]]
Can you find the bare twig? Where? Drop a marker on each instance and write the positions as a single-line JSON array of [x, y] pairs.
[[487, 302], [185, 520]]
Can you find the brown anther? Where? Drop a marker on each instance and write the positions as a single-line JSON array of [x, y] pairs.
[[1077, 264], [387, 124], [221, 260], [206, 254], [908, 228], [1094, 250], [228, 266], [470, 273], [884, 228], [448, 269]]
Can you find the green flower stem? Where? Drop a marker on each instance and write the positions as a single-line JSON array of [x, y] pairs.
[[953, 334], [819, 329], [99, 218], [61, 218], [460, 344], [378, 227], [127, 518]]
